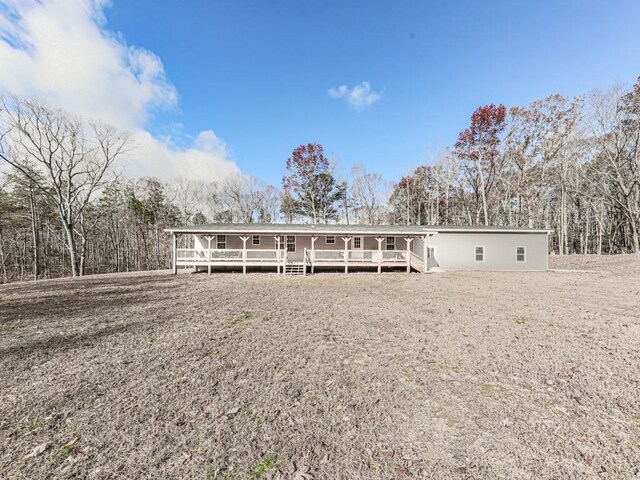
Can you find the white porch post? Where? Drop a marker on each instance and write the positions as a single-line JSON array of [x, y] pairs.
[[284, 261], [174, 263], [379, 240], [408, 240], [195, 254], [304, 262], [313, 252], [209, 255], [425, 253], [244, 254], [346, 253], [277, 239]]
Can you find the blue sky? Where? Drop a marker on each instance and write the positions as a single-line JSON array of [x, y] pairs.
[[257, 73]]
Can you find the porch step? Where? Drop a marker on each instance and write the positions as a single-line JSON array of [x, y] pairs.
[[294, 269]]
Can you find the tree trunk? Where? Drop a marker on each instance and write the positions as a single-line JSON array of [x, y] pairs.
[[72, 248], [3, 259], [586, 232], [157, 246], [635, 238], [484, 197], [35, 234], [83, 257]]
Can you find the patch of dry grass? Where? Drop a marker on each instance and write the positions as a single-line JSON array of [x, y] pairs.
[[450, 375]]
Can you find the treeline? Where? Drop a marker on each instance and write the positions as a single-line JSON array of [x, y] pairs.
[[567, 164], [570, 165]]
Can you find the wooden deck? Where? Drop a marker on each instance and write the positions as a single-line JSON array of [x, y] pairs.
[[287, 262]]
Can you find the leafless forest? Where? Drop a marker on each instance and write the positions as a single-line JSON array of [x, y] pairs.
[[568, 164]]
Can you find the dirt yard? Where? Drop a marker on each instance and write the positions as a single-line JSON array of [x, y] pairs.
[[365, 376]]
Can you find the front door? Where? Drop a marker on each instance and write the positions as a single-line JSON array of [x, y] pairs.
[[294, 254], [357, 245]]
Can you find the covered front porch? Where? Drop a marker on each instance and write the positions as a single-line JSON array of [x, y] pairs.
[[301, 254]]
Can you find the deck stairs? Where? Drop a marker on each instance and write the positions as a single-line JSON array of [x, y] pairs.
[[294, 268], [416, 262], [418, 267]]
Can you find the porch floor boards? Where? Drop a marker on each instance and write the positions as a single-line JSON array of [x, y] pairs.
[[300, 265]]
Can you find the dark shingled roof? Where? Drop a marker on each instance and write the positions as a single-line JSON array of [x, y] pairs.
[[338, 229]]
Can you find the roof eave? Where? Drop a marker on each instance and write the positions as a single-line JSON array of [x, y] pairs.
[[492, 230], [301, 232], [354, 231]]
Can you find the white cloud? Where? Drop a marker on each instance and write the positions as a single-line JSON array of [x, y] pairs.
[[61, 51], [358, 97], [206, 159]]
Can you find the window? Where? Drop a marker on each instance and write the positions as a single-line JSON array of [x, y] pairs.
[[431, 252], [330, 240], [391, 243], [255, 240], [291, 243], [521, 254], [357, 242], [221, 242], [479, 254]]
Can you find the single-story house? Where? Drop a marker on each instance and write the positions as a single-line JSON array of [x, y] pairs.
[[302, 249]]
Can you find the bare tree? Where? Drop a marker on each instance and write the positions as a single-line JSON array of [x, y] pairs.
[[370, 192], [268, 202], [188, 196], [75, 159], [242, 195], [616, 130], [478, 150], [543, 149]]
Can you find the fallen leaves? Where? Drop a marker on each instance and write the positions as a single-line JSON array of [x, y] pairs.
[[298, 471], [69, 444], [232, 412], [37, 450], [388, 452], [402, 472]]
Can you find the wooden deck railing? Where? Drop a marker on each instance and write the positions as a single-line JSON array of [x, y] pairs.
[[318, 257], [263, 255], [197, 255], [326, 255], [191, 254], [373, 256]]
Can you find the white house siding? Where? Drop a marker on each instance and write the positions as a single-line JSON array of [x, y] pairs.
[[456, 251], [267, 242], [452, 250]]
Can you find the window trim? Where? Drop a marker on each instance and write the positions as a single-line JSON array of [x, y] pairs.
[[475, 253], [353, 243], [387, 244], [253, 239], [524, 254], [333, 239], [221, 240], [287, 243]]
